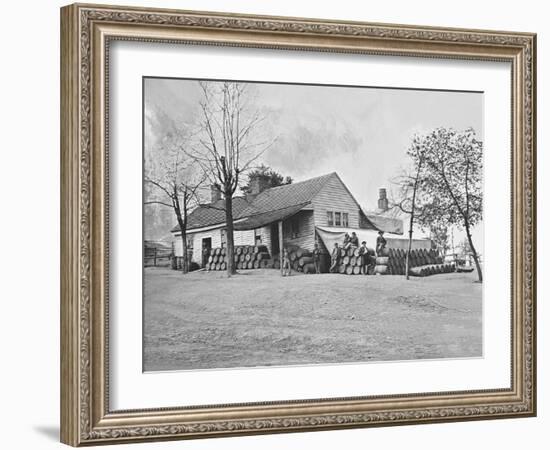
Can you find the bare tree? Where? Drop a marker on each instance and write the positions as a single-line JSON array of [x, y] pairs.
[[175, 181], [408, 185], [228, 143]]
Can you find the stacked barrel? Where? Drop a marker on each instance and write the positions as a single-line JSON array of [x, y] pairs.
[[301, 259], [351, 261], [245, 257], [383, 263], [422, 262]]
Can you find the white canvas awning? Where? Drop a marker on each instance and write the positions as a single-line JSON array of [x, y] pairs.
[[331, 235]]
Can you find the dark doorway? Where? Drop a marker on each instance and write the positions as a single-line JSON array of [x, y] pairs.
[[274, 239], [206, 247]]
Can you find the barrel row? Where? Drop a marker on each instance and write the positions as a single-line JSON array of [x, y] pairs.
[[240, 250], [245, 257], [432, 269]]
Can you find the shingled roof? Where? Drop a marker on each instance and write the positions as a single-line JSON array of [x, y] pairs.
[[214, 214], [270, 205]]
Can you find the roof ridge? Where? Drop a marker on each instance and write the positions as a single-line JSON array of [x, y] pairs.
[[300, 182]]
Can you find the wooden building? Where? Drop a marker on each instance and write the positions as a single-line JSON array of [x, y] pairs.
[[290, 212]]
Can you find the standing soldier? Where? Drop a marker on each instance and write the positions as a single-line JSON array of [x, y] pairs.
[[365, 257], [334, 258], [317, 259], [287, 270]]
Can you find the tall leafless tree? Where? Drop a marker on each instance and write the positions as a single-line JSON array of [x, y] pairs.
[[229, 143], [175, 180], [408, 185]]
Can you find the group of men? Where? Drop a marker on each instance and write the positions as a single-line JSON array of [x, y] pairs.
[[349, 241], [353, 241]]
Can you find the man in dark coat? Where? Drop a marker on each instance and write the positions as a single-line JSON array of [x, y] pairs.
[[380, 243], [317, 259], [334, 258], [354, 240]]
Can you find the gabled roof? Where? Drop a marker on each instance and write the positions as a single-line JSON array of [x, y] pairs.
[[214, 213], [265, 218], [273, 204], [288, 195]]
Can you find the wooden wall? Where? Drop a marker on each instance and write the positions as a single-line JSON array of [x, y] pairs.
[[335, 197], [245, 237], [306, 230]]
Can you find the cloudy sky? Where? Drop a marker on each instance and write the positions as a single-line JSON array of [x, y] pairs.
[[360, 132]]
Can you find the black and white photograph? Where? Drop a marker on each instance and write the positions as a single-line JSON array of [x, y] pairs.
[[298, 224]]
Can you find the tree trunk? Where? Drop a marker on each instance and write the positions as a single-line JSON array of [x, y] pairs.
[[474, 253], [231, 269], [411, 222], [407, 259], [185, 262]]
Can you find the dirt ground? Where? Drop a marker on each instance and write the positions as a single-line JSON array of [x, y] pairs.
[[205, 320]]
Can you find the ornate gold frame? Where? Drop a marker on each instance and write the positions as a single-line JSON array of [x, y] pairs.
[[86, 31]]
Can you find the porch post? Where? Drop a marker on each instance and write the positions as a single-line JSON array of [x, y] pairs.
[[280, 224]]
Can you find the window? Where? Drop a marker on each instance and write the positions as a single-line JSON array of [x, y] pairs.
[[257, 236], [345, 220], [223, 238], [294, 228], [337, 219], [190, 241]]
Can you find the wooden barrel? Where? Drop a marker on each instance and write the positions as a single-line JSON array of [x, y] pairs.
[[295, 265], [261, 256], [264, 263], [342, 252], [417, 271], [247, 257], [380, 269], [356, 252], [384, 252], [382, 260], [342, 268], [256, 264], [345, 260], [353, 261], [236, 257], [210, 259], [293, 257], [305, 260], [349, 270], [260, 249], [239, 250], [357, 270]]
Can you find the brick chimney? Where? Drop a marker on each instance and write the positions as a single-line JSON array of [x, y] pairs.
[[382, 200], [258, 184], [215, 193]]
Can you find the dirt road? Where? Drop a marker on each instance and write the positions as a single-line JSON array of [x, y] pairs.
[[205, 320]]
